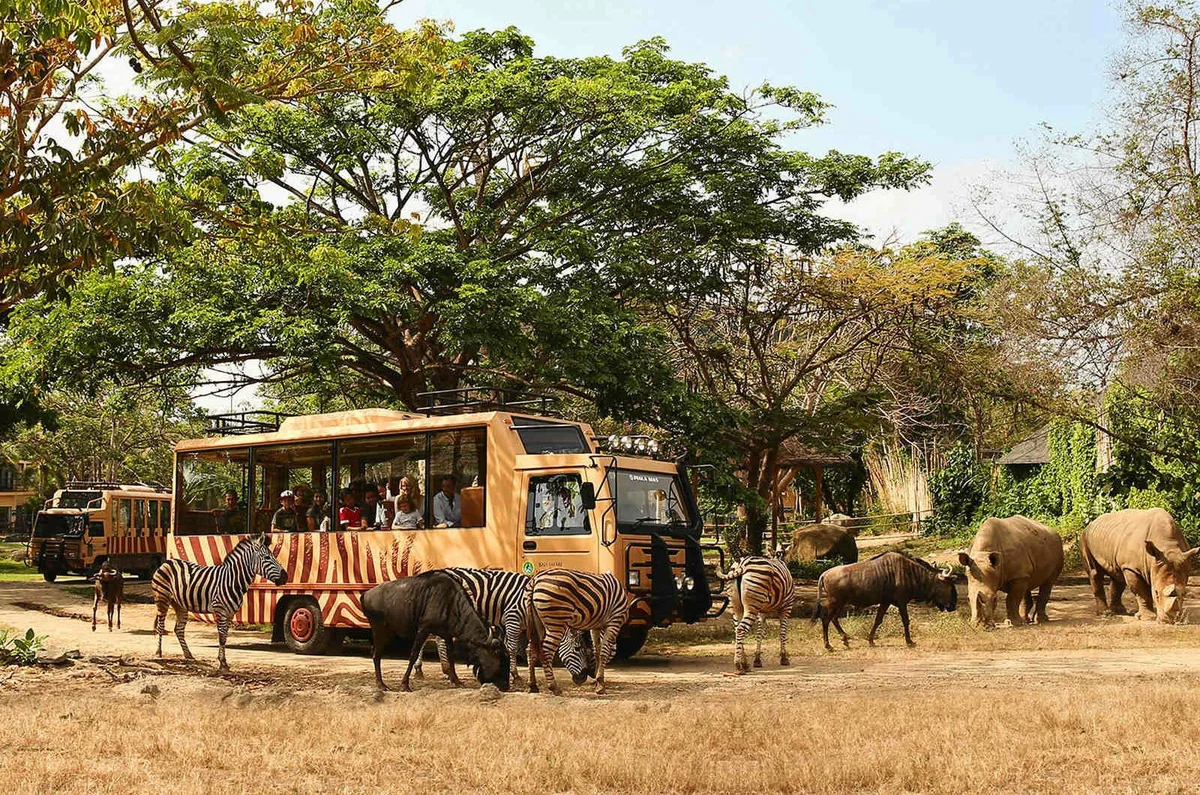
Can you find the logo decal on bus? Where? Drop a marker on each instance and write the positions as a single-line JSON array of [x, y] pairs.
[[528, 567]]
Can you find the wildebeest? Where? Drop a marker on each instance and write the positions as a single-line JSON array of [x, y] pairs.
[[433, 603], [890, 578], [110, 587], [761, 587], [1015, 555], [1144, 550]]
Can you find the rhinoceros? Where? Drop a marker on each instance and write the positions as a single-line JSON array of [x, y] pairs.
[[1143, 550], [1014, 555]]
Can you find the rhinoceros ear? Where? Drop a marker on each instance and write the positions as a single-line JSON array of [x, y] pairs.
[[1154, 551], [1190, 555]]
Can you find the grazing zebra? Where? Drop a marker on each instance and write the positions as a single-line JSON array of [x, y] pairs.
[[762, 587], [184, 586], [499, 598], [559, 600]]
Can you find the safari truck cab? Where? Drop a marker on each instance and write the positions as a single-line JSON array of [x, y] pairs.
[[88, 522], [529, 493]]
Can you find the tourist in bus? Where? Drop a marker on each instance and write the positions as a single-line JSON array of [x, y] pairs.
[[303, 502], [349, 515], [373, 517], [229, 518], [284, 520], [447, 507], [317, 517], [407, 516], [411, 488]]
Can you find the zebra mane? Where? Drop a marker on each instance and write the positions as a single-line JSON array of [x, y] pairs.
[[240, 549]]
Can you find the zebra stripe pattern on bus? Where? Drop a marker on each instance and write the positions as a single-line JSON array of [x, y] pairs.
[[219, 590], [761, 587], [499, 598], [564, 599]]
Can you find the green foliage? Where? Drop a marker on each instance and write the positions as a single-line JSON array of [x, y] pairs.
[[957, 489], [17, 649], [811, 569]]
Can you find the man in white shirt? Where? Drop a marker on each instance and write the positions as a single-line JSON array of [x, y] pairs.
[[447, 508]]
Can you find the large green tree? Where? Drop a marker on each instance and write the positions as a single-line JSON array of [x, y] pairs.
[[73, 152], [509, 223]]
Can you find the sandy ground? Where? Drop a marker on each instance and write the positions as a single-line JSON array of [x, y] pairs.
[[1075, 644]]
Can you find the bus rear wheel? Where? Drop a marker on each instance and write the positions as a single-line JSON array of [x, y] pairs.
[[631, 641], [304, 630]]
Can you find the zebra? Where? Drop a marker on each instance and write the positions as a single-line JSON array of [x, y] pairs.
[[184, 586], [559, 600], [762, 586], [499, 598]]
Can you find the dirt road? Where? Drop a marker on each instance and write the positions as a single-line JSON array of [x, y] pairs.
[[1074, 645]]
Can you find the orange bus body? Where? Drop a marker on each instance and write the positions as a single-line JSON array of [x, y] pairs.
[[85, 524], [522, 511]]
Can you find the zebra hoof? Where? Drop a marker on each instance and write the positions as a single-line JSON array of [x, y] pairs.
[[784, 661], [758, 662], [556, 690], [533, 688]]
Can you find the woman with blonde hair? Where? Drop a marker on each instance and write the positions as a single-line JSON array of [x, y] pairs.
[[410, 487]]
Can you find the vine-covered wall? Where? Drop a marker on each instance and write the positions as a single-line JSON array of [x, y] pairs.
[[1068, 492]]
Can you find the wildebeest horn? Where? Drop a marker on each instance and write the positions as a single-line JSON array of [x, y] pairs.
[[949, 571]]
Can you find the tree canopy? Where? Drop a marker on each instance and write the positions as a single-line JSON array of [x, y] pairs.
[[510, 221]]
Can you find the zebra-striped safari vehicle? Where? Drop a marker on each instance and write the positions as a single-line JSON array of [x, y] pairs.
[[487, 486]]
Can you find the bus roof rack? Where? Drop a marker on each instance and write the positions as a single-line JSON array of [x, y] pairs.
[[241, 423], [107, 485], [474, 398]]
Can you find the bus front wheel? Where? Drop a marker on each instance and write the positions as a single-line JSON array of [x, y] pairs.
[[631, 641], [304, 630], [49, 576]]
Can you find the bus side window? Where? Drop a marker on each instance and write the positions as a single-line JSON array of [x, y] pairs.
[[96, 529], [555, 506], [164, 516], [139, 517], [152, 518], [461, 455], [207, 482], [124, 511], [385, 461]]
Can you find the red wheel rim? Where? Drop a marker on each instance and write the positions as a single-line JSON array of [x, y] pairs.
[[302, 624]]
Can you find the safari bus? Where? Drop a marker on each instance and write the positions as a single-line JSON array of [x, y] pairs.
[[88, 522], [482, 482]]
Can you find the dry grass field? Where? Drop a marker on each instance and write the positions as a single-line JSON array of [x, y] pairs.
[[1080, 705]]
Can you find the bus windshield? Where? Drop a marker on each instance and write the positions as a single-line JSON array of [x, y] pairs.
[[50, 525], [648, 500], [77, 499]]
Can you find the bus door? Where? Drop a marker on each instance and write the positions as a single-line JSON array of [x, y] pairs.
[[557, 530]]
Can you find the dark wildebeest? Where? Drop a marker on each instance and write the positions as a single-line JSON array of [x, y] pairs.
[[891, 578], [434, 603], [111, 588]]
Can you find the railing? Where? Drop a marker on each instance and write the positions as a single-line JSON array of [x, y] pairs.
[[474, 398], [908, 522], [245, 422]]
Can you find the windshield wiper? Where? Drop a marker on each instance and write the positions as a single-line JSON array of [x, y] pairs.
[[642, 521]]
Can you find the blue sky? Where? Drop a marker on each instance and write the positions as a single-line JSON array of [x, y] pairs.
[[956, 83]]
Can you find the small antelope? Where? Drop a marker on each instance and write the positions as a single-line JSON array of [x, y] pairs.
[[111, 588]]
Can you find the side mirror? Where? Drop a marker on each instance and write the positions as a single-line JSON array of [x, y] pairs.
[[587, 495]]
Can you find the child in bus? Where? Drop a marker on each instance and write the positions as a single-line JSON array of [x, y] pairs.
[[407, 515], [349, 515], [317, 518], [284, 520]]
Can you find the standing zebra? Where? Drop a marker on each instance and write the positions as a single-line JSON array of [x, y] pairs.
[[559, 600], [762, 587], [499, 598], [184, 586]]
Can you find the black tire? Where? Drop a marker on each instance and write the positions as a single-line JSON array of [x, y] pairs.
[[630, 641], [49, 576], [148, 573], [304, 631]]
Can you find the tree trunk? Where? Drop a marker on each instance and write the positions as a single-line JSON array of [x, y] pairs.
[[756, 527]]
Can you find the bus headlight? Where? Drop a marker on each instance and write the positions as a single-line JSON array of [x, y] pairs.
[[635, 578], [679, 582], [689, 583]]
